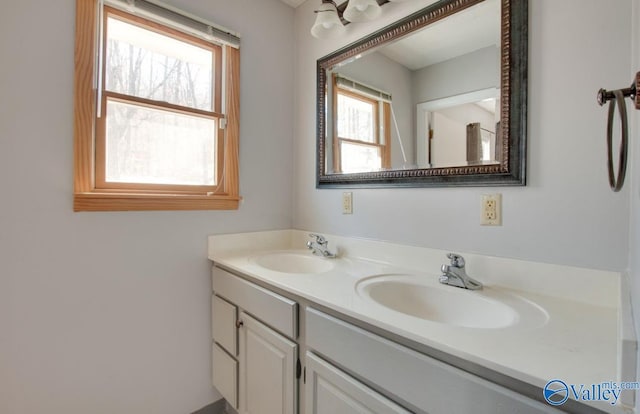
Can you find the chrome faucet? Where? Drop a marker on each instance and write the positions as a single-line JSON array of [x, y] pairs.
[[454, 274], [319, 246]]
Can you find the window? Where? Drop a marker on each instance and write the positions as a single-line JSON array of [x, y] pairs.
[[361, 139], [156, 119]]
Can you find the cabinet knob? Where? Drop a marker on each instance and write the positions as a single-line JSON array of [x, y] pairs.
[[239, 323]]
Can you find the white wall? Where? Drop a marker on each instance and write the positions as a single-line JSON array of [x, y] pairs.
[[566, 214], [449, 144], [467, 73], [109, 312]]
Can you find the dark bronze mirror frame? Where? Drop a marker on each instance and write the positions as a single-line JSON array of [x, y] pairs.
[[511, 171]]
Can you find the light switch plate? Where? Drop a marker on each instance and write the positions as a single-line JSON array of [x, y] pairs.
[[491, 211]]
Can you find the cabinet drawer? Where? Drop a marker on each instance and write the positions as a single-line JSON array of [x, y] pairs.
[[331, 391], [422, 382], [225, 375], [223, 318], [276, 311]]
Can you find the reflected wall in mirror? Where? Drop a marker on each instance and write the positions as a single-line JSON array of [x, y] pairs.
[[438, 98], [459, 130]]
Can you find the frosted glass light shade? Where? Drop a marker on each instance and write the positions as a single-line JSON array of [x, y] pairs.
[[362, 10], [327, 23]]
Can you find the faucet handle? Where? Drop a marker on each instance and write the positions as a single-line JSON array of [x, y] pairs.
[[456, 260], [319, 238]]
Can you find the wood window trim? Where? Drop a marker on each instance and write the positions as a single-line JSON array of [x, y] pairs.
[[87, 197], [385, 148]]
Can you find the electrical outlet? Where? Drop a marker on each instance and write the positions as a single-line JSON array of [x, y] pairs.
[[347, 203], [491, 214]]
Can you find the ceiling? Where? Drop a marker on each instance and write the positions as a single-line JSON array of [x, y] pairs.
[[293, 3], [466, 31]]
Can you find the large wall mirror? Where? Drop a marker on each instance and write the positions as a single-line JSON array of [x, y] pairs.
[[436, 99]]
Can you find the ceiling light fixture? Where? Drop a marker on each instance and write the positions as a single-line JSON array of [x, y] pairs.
[[362, 10], [328, 23], [331, 18]]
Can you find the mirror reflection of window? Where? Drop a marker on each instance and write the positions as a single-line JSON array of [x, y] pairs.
[[359, 158], [361, 142], [356, 118]]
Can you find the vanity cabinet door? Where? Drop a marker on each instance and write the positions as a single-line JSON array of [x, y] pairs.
[[268, 383], [331, 391], [225, 375]]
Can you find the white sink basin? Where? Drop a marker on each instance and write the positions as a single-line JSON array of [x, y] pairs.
[[294, 262], [424, 298]]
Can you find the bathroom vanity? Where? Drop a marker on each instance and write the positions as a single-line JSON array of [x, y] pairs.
[[373, 330]]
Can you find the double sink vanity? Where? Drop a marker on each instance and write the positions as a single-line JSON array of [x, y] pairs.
[[322, 324], [339, 325]]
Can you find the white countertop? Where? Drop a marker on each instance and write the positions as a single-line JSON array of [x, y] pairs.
[[579, 344]]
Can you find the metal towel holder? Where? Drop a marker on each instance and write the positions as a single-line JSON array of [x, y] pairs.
[[616, 97]]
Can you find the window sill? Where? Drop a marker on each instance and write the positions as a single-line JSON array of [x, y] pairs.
[[95, 201]]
